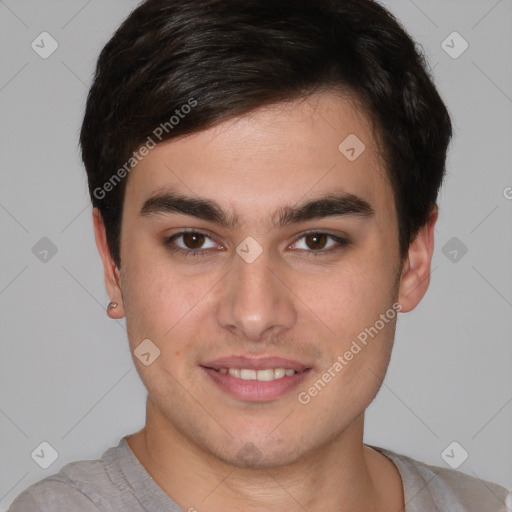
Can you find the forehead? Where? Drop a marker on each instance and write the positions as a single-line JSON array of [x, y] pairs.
[[276, 155]]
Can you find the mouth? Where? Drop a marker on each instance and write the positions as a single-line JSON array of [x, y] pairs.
[[255, 380], [265, 375]]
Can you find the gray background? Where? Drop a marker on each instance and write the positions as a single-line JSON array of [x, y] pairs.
[[66, 372]]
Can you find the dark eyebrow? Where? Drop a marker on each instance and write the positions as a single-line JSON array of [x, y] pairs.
[[329, 205]]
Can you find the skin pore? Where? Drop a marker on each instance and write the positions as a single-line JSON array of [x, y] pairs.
[[305, 298]]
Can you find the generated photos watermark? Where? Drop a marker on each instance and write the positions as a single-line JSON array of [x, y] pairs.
[[305, 397], [144, 149]]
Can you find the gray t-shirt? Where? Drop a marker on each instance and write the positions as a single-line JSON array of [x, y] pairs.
[[118, 482]]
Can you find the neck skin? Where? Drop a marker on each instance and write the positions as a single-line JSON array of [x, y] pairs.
[[343, 475]]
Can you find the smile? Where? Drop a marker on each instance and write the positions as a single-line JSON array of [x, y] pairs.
[[262, 384], [264, 375]]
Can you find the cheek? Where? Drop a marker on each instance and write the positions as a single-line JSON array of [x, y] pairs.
[[164, 305], [347, 300], [352, 377]]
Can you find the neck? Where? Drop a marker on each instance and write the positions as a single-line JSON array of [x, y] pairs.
[[342, 475]]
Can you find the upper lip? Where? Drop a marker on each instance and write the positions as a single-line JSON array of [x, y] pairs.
[[253, 363]]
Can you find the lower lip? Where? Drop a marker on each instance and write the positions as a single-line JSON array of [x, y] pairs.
[[255, 390]]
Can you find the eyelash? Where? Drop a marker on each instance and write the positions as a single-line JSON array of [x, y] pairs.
[[168, 242]]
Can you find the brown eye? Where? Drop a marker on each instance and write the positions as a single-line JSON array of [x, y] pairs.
[[190, 243], [193, 240], [316, 241]]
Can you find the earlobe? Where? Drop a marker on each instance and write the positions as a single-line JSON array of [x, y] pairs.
[[111, 272], [416, 268]]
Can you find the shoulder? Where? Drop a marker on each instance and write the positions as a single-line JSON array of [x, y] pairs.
[[444, 488], [54, 494], [78, 486]]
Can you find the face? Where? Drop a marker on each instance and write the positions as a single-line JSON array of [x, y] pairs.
[[255, 256]]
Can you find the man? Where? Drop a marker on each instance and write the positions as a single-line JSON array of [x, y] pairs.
[[264, 176]]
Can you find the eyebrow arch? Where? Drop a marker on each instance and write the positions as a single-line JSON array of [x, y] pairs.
[[328, 205]]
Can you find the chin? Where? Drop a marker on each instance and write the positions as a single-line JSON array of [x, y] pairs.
[[259, 455]]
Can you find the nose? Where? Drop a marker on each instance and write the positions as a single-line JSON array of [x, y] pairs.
[[256, 302]]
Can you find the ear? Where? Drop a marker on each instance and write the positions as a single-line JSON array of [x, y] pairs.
[[111, 272], [416, 268]]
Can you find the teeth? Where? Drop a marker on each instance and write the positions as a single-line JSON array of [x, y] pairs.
[[248, 374], [265, 375], [279, 372]]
